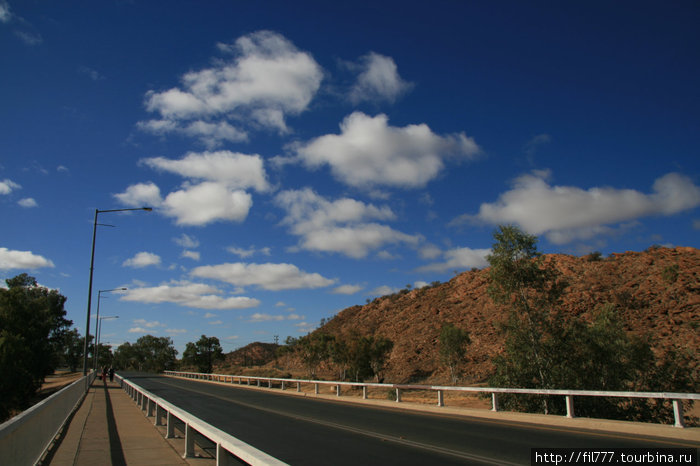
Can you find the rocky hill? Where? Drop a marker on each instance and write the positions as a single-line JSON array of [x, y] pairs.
[[657, 292]]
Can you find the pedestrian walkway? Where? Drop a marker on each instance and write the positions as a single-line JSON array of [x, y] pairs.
[[110, 429]]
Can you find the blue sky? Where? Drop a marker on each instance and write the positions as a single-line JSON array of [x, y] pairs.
[[303, 157]]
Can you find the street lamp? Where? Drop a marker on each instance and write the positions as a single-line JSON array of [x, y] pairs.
[[97, 320], [92, 267], [98, 333]]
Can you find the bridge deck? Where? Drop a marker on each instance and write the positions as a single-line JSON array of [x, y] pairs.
[[110, 429]]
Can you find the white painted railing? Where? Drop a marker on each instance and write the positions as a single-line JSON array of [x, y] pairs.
[[676, 398], [25, 438], [226, 444]]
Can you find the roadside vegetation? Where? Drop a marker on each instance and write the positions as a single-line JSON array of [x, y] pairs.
[[545, 350]]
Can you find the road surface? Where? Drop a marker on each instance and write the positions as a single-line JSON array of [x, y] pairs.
[[308, 431]]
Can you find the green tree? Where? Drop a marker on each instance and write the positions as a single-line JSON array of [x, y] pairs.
[[453, 346], [32, 328], [545, 350], [532, 289], [313, 349], [379, 349], [148, 354], [72, 349], [203, 353]]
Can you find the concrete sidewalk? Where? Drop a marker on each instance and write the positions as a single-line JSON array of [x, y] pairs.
[[110, 429]]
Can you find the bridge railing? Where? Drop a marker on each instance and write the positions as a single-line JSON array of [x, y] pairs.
[[25, 438], [676, 398], [226, 445]]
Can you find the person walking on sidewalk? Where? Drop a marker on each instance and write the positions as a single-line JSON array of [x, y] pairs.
[[111, 374]]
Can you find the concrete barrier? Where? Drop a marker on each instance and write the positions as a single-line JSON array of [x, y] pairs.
[[25, 438]]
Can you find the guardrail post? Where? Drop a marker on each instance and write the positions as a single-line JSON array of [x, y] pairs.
[[258, 382], [678, 413], [569, 406], [283, 385], [150, 410], [441, 398], [189, 441], [398, 395], [159, 415], [170, 426], [298, 386], [269, 383], [337, 390], [223, 457], [316, 388], [494, 402], [364, 392]]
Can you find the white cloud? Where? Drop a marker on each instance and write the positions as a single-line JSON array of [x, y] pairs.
[[244, 253], [141, 194], [384, 290], [189, 294], [459, 258], [137, 330], [568, 213], [27, 202], [11, 259], [347, 289], [5, 13], [194, 255], [90, 73], [266, 79], [261, 317], [235, 170], [147, 324], [267, 276], [370, 153], [344, 225], [175, 330], [7, 186], [210, 134], [186, 241], [379, 80], [205, 203], [142, 259]]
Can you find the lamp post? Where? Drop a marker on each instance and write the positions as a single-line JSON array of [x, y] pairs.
[[92, 267], [97, 321], [98, 333]]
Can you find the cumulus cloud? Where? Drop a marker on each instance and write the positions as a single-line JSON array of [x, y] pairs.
[[244, 253], [211, 134], [27, 202], [194, 255], [206, 203], [141, 194], [7, 186], [262, 317], [379, 80], [369, 153], [568, 213], [235, 170], [186, 241], [347, 289], [12, 259], [345, 225], [267, 276], [188, 294], [457, 259], [264, 79], [142, 259]]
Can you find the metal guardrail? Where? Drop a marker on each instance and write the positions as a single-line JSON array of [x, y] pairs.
[[676, 398], [226, 444], [25, 438]]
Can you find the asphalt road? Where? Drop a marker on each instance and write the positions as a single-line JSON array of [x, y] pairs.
[[306, 431]]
